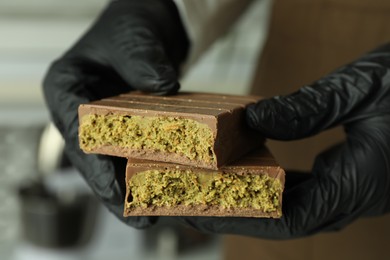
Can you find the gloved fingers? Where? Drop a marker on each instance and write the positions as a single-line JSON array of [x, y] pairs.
[[106, 179], [74, 81], [99, 172], [137, 48], [66, 86], [140, 59], [305, 112], [140, 42], [341, 97]]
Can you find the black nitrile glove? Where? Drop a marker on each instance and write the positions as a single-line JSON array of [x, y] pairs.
[[348, 181], [133, 45]]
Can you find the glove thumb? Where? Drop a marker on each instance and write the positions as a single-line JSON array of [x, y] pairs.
[[141, 61], [298, 115]]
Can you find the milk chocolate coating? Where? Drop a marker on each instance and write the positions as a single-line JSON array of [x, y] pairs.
[[257, 162], [224, 114]]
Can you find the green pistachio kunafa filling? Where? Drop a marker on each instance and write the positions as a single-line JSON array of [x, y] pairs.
[[183, 187], [164, 134]]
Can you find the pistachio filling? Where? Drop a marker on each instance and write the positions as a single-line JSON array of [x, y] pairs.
[[165, 134], [179, 187]]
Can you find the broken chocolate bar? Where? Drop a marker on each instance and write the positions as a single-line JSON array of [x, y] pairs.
[[198, 129], [251, 187]]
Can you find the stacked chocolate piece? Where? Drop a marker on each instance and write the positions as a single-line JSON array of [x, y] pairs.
[[189, 154]]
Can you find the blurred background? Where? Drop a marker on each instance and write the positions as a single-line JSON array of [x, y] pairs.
[[61, 219]]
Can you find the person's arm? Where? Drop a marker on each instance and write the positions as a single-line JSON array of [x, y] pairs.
[[133, 45], [348, 181], [208, 20]]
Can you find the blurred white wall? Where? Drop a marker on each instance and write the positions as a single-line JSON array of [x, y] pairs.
[[229, 64]]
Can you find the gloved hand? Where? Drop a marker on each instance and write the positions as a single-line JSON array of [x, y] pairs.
[[348, 181], [132, 45]]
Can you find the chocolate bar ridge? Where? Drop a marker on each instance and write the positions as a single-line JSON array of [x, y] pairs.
[[171, 199], [218, 119]]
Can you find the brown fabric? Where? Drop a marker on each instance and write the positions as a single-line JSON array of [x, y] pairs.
[[308, 39]]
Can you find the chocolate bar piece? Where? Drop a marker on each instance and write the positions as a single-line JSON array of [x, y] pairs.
[[198, 129], [251, 187]]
